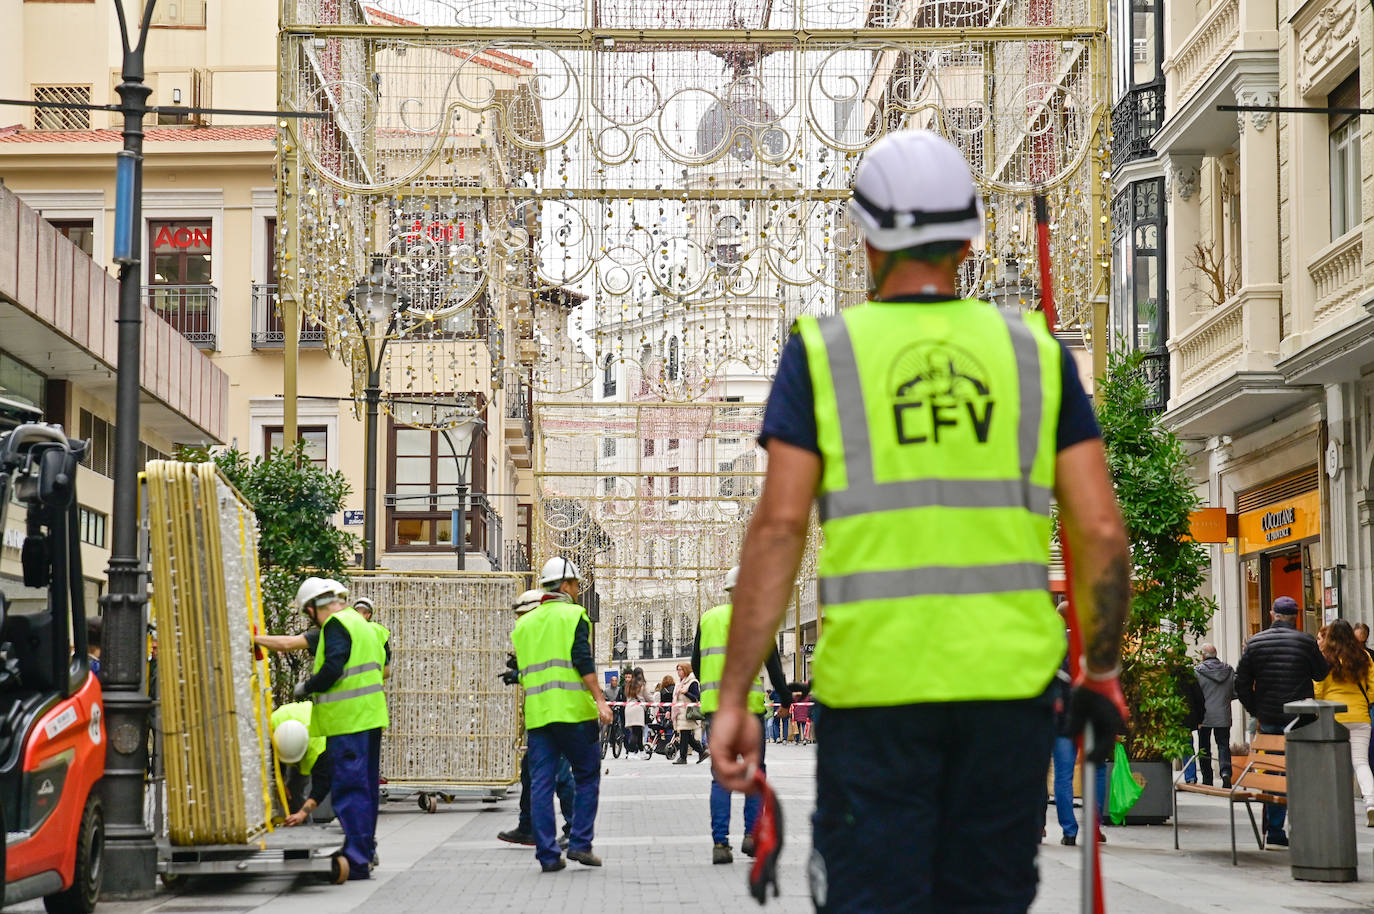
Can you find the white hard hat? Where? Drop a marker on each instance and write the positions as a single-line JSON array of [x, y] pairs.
[[528, 600], [556, 570], [732, 578], [365, 602], [291, 739], [914, 187], [318, 592]]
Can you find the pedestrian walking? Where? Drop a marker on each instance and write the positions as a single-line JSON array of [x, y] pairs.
[[1195, 703], [636, 702], [1351, 682], [686, 709], [708, 655], [1279, 665], [934, 432], [563, 703], [1218, 683], [1362, 635], [801, 717], [523, 833], [349, 711]]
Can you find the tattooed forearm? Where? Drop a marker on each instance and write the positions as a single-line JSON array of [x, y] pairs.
[[1111, 599]]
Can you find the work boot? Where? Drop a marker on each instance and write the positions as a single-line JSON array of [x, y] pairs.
[[1276, 839], [746, 847], [1069, 840], [720, 853], [559, 864], [516, 836], [586, 858]]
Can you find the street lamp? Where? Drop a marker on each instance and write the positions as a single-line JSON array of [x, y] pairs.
[[461, 438], [1014, 291], [373, 303]]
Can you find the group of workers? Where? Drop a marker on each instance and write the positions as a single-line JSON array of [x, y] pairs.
[[332, 732], [935, 432]]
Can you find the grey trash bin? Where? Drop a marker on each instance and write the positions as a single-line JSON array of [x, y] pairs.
[[1321, 794]]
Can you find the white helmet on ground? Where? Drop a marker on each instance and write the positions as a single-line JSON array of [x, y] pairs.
[[914, 187], [731, 579], [364, 603], [528, 600], [557, 570], [291, 740]]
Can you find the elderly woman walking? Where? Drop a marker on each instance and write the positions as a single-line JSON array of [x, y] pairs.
[[687, 714]]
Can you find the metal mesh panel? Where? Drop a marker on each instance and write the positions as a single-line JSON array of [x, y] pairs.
[[453, 722]]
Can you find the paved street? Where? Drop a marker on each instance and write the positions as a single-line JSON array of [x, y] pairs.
[[653, 835]]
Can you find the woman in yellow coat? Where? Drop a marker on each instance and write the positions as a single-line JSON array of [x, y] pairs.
[[1351, 681]]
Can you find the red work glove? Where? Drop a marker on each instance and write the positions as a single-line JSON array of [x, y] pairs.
[[1097, 701]]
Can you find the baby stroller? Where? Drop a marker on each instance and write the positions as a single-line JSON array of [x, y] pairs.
[[660, 737]]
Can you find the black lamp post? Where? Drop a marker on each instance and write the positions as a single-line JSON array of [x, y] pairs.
[[373, 302], [466, 433]]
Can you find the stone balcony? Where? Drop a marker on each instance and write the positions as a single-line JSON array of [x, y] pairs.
[[1202, 51], [1335, 340], [1224, 373]]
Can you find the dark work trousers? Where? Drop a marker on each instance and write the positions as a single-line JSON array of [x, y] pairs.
[[355, 792], [720, 800], [933, 781], [562, 785], [579, 742], [1275, 815], [1222, 737]]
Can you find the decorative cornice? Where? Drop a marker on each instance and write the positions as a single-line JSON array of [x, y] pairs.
[[1181, 176]]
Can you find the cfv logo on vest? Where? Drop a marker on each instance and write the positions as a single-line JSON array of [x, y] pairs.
[[940, 389]]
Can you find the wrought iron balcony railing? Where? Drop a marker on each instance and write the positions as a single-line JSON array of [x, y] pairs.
[[1155, 367], [268, 331], [193, 310], [1135, 121], [517, 556]]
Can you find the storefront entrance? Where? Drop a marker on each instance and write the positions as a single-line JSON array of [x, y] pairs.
[[1280, 547]]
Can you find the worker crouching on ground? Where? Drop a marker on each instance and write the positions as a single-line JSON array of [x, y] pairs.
[[708, 655], [307, 775], [563, 702], [349, 711], [933, 431]]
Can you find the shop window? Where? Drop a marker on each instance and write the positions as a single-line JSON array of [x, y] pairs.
[[80, 232], [314, 437], [62, 118], [1344, 142]]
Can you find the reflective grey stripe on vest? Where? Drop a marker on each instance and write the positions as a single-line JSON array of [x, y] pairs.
[[556, 684], [346, 694], [712, 651], [714, 684], [547, 665], [865, 495], [938, 580], [360, 668]]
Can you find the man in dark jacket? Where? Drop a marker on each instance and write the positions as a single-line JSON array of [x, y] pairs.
[[1218, 683], [1279, 665]]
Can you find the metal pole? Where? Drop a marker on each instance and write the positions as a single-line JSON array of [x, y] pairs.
[[460, 535], [373, 393], [130, 853]]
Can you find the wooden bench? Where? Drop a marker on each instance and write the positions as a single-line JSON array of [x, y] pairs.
[[1260, 777]]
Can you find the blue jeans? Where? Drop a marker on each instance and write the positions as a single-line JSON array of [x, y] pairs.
[[930, 782], [579, 742], [355, 758], [720, 802], [1065, 757], [1274, 815]]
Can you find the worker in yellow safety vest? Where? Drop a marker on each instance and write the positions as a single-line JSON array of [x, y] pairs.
[[349, 711], [934, 431], [309, 639], [367, 609], [303, 757], [563, 702], [708, 655]]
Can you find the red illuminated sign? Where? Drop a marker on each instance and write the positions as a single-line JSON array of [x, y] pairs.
[[435, 231], [182, 238]]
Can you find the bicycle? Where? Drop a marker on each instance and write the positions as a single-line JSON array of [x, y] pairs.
[[612, 737]]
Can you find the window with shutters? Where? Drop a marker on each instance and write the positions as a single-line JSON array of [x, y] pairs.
[[62, 118]]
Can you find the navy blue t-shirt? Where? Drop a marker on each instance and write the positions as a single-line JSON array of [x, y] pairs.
[[791, 417]]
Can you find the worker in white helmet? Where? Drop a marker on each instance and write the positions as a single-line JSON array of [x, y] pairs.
[[349, 710], [563, 702], [523, 833], [303, 758], [310, 638], [935, 431], [708, 656]]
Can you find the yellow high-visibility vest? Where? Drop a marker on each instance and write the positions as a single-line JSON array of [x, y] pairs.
[[554, 691], [715, 631]]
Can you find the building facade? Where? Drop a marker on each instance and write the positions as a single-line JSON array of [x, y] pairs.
[[210, 238]]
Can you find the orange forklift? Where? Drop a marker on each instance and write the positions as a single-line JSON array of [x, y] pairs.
[[52, 735]]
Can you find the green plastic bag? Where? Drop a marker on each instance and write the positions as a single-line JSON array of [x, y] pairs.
[[1123, 792]]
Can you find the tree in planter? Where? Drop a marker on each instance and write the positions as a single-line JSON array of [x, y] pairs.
[[295, 502], [1149, 469]]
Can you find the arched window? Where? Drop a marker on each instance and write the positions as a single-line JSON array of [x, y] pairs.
[[608, 377], [672, 359]]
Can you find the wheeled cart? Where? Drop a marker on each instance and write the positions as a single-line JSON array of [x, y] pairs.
[[303, 849], [428, 796]]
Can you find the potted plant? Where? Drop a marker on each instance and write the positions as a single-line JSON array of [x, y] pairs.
[[1150, 471]]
